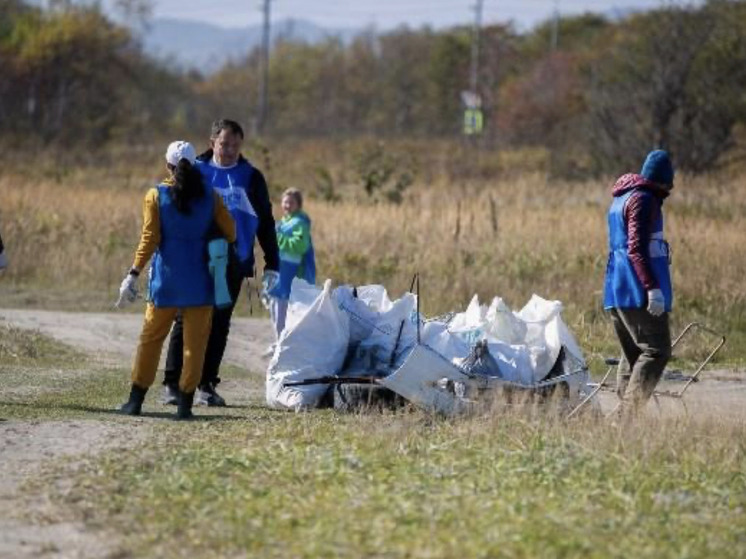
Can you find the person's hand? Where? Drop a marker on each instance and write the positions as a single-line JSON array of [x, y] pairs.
[[3, 261], [127, 291], [269, 280], [656, 302]]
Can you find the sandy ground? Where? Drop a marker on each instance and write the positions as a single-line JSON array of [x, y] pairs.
[[26, 447], [114, 335]]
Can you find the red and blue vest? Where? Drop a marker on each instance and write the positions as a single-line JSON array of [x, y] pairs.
[[623, 289]]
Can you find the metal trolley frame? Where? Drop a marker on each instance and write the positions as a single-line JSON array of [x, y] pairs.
[[675, 394]]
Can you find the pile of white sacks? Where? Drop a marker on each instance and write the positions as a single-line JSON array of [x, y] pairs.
[[327, 329]]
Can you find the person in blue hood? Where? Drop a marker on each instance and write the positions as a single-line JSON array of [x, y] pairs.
[[244, 191], [638, 293]]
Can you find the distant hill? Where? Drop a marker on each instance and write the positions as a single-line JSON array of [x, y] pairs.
[[206, 47]]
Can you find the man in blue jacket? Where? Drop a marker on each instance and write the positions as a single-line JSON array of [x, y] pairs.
[[246, 196], [638, 293]]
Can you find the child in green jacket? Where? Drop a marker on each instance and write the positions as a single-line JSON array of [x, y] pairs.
[[296, 254]]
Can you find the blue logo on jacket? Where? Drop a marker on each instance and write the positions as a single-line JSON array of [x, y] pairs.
[[233, 183]]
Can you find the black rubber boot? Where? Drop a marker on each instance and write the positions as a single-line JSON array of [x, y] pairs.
[[184, 409], [134, 405]]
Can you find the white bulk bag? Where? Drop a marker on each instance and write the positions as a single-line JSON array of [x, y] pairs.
[[437, 337], [469, 325], [502, 323], [542, 318], [302, 296], [313, 347], [375, 296], [363, 317], [386, 337]]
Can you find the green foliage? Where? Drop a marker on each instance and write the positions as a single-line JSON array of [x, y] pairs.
[[74, 77], [384, 174], [672, 77], [578, 34], [325, 186]]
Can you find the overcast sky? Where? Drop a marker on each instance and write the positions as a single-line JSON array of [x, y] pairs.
[[385, 14]]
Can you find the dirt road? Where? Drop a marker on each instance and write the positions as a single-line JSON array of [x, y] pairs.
[[114, 335]]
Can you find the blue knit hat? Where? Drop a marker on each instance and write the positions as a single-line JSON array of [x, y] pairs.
[[658, 167]]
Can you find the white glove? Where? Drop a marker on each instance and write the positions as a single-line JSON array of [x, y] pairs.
[[3, 261], [127, 291], [656, 303], [269, 280]]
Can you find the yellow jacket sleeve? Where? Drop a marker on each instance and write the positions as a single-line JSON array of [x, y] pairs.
[[224, 219], [151, 230]]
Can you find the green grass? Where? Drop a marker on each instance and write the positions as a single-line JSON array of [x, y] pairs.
[[45, 379], [41, 378], [248, 481], [20, 347], [322, 485]]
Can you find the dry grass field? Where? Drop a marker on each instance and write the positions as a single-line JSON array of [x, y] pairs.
[[500, 229]]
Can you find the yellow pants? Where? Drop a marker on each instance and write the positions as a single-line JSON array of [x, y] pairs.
[[155, 328]]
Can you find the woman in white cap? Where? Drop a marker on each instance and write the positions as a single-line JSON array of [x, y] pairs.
[[178, 216]]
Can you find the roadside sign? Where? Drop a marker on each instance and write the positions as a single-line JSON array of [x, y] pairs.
[[473, 122]]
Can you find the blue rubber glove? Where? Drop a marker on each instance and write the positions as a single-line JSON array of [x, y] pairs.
[[218, 266]]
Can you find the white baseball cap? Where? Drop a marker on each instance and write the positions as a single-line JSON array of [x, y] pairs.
[[179, 150]]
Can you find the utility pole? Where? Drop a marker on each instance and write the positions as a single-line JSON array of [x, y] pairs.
[[473, 116], [261, 119], [474, 75], [555, 26]]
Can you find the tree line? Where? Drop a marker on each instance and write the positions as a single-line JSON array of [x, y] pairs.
[[610, 90]]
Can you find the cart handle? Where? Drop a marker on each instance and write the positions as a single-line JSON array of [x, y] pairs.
[[689, 327]]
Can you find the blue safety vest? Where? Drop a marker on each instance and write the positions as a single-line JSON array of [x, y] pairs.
[[179, 274], [233, 185], [623, 289]]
